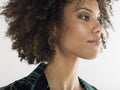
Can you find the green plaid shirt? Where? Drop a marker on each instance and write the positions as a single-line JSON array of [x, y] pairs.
[[37, 81]]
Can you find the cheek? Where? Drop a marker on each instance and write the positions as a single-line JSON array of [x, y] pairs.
[[77, 32], [74, 36], [74, 40]]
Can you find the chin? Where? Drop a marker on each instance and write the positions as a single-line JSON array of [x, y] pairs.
[[89, 57]]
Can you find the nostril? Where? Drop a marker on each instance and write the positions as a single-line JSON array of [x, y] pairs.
[[97, 28], [96, 31]]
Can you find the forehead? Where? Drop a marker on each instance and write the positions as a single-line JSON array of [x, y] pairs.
[[90, 4]]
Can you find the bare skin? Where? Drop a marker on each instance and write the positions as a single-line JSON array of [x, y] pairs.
[[80, 39]]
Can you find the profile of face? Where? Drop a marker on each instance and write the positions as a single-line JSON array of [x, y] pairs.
[[81, 30]]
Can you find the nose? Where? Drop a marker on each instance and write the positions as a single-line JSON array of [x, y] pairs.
[[97, 29]]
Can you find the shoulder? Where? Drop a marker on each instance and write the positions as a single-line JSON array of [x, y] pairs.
[[29, 82], [94, 88], [86, 85], [22, 84], [25, 83]]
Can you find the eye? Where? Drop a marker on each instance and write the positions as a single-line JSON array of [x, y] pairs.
[[84, 17]]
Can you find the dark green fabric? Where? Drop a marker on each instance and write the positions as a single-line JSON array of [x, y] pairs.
[[37, 81]]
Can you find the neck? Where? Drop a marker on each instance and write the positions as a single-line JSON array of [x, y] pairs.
[[62, 73], [63, 70]]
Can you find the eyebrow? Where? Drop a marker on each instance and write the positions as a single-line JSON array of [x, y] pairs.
[[84, 9]]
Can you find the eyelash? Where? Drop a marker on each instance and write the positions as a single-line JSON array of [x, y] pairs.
[[84, 17], [87, 18]]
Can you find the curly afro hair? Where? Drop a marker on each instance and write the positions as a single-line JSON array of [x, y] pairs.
[[31, 26]]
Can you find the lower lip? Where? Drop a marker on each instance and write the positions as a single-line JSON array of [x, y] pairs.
[[96, 43]]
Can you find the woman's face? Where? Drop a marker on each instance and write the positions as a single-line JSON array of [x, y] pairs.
[[81, 30]]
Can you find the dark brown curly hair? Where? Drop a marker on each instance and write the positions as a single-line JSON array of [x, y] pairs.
[[31, 26]]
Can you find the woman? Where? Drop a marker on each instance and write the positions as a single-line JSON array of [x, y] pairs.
[[57, 32]]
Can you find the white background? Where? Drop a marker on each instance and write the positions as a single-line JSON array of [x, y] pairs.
[[103, 72]]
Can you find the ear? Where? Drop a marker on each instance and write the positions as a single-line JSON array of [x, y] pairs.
[[53, 35]]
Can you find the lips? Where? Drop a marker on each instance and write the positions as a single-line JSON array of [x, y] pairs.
[[94, 42]]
